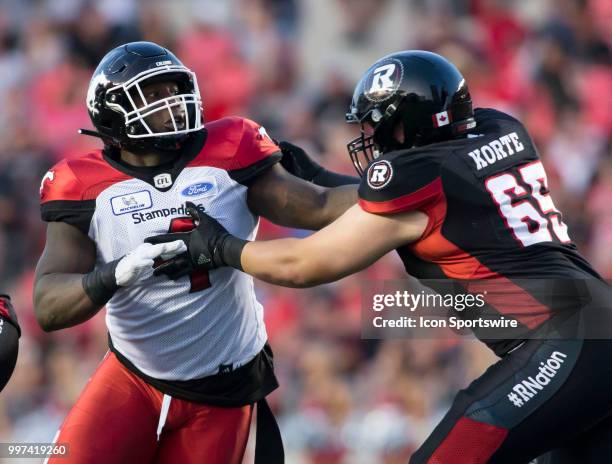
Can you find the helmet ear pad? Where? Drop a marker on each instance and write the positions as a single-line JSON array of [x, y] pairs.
[[417, 130], [384, 135], [384, 132]]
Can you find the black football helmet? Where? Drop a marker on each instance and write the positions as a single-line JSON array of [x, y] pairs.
[[117, 105], [423, 90]]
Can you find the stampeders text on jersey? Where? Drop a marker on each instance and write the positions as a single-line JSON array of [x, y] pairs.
[[138, 217]]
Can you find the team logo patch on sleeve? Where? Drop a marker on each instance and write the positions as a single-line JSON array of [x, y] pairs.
[[261, 133], [49, 176], [379, 174]]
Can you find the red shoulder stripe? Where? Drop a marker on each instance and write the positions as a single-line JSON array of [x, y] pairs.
[[234, 143], [79, 179], [410, 201]]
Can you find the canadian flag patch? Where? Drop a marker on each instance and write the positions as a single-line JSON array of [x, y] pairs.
[[441, 119]]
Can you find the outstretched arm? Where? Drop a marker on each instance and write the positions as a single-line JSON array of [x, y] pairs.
[[346, 246], [292, 202]]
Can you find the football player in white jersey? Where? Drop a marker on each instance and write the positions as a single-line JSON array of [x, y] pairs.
[[188, 357]]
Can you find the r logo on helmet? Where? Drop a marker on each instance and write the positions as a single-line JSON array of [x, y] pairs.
[[384, 80], [380, 174]]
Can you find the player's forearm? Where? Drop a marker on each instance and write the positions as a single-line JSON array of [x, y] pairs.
[[305, 206], [351, 243], [333, 202], [60, 301], [337, 201], [281, 262], [292, 202]]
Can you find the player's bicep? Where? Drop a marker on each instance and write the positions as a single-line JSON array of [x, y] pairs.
[[60, 300], [286, 200], [67, 250]]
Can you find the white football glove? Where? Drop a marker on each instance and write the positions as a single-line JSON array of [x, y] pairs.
[[134, 266]]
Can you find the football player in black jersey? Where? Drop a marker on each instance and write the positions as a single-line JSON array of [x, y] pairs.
[[9, 339], [461, 194]]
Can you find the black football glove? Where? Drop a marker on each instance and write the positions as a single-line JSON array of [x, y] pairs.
[[297, 162], [209, 246]]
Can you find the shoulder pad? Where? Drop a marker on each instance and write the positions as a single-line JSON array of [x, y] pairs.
[[240, 146], [401, 181]]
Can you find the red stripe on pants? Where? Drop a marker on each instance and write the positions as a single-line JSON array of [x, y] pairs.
[[469, 442], [116, 417]]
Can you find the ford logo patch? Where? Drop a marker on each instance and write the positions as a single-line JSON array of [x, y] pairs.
[[197, 190]]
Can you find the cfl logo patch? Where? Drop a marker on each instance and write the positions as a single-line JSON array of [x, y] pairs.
[[162, 180], [380, 174]]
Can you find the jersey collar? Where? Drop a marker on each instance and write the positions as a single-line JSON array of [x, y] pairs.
[[164, 176]]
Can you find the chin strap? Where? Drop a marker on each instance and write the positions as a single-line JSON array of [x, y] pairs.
[[91, 133], [107, 140]]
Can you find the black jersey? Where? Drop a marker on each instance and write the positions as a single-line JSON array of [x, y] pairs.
[[490, 213]]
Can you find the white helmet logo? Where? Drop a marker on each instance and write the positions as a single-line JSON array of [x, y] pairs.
[[98, 80], [382, 78]]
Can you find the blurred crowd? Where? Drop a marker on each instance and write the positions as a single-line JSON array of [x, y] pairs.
[[291, 65]]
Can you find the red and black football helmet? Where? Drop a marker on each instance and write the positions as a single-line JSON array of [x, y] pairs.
[[118, 108], [423, 90]]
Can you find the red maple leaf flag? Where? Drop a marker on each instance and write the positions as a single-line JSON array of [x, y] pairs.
[[442, 118]]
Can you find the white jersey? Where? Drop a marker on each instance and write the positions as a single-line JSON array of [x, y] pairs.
[[189, 328]]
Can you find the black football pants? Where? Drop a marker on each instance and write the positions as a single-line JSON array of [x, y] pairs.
[[547, 398]]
